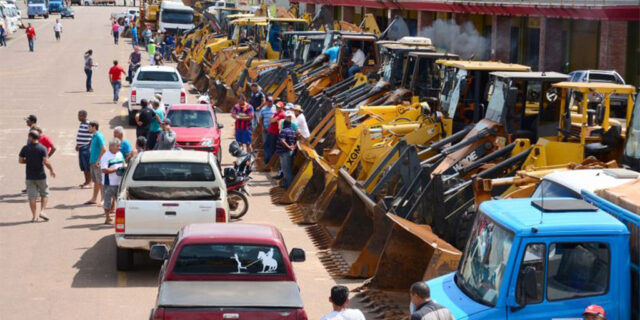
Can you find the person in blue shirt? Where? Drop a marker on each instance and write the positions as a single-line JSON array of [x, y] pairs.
[[134, 35], [96, 150], [332, 53], [274, 36], [264, 117], [125, 146], [154, 128]]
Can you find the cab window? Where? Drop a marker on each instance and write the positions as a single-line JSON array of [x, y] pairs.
[[577, 270], [530, 285]]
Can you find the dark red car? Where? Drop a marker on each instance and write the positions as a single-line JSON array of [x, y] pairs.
[[196, 127], [230, 271]]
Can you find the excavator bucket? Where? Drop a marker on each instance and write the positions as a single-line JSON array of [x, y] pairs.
[[413, 252]]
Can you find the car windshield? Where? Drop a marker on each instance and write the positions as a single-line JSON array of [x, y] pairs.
[[551, 189], [190, 118], [484, 261], [158, 76], [36, 1], [173, 171], [229, 259], [177, 16]]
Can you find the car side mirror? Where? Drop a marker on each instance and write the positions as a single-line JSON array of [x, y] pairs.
[[220, 125], [297, 255], [159, 252]]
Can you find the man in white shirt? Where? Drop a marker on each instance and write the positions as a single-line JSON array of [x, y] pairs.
[[111, 161], [57, 29], [340, 300], [358, 59], [301, 120]]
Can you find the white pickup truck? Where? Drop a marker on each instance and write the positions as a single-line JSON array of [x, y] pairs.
[[150, 80], [163, 191]]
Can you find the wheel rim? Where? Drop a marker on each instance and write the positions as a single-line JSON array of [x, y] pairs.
[[236, 204]]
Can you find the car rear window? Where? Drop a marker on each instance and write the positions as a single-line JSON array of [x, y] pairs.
[[230, 259], [157, 76], [173, 171], [602, 77], [190, 118]]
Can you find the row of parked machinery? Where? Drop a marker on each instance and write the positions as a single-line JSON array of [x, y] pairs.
[[402, 153]]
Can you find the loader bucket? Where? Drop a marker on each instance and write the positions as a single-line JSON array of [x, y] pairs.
[[322, 180], [194, 70], [183, 69], [202, 82], [412, 253]]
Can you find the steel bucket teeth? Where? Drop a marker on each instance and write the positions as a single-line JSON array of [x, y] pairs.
[[319, 236], [276, 194]]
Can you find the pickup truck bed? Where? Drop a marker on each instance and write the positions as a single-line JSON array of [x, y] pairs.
[[173, 193]]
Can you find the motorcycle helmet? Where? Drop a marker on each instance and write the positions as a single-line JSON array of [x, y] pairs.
[[236, 150]]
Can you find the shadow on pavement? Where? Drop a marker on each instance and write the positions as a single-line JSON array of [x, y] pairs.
[[91, 216], [117, 121], [91, 226], [72, 206], [62, 188], [15, 223], [97, 268]]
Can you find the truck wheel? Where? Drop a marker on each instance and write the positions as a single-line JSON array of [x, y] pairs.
[[46, 16], [124, 259], [31, 16]]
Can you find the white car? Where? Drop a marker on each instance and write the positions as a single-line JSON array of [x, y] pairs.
[[163, 191], [150, 80]]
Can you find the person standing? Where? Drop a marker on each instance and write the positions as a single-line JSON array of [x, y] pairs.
[[339, 301], [143, 119], [88, 68], [110, 163], [286, 147], [83, 141], [31, 36], [243, 113], [146, 36], [96, 150], [273, 132], [264, 118], [167, 138], [45, 142], [134, 35], [57, 29], [425, 308], [256, 100], [3, 36], [115, 30], [301, 121], [154, 127], [34, 156], [125, 147], [31, 121], [151, 50], [115, 77]]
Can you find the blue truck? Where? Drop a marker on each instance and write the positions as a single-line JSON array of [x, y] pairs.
[[38, 8], [538, 258], [55, 5]]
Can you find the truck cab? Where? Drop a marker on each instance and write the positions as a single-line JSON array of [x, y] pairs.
[[175, 17], [55, 5], [38, 8], [537, 258]]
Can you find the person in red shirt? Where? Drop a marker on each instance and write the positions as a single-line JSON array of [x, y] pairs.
[[115, 77], [45, 141], [273, 131], [31, 36]]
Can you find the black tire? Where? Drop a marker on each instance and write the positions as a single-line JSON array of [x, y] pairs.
[[46, 16], [237, 199], [124, 259]]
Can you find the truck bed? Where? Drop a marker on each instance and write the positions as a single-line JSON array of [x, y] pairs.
[[173, 193]]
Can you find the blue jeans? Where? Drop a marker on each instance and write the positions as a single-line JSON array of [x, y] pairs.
[[286, 165], [353, 70], [134, 41], [116, 89], [89, 73], [31, 43], [269, 147], [115, 37], [3, 41]]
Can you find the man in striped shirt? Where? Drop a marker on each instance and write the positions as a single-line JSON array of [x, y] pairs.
[[243, 113], [83, 139]]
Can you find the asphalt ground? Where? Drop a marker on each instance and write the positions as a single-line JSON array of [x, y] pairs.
[[65, 268]]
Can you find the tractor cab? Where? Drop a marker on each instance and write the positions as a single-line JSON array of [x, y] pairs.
[[394, 54], [463, 97], [422, 75], [631, 155], [302, 46], [349, 42], [588, 119], [264, 31]]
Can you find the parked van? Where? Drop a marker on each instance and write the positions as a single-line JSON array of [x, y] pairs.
[[11, 18], [175, 17]]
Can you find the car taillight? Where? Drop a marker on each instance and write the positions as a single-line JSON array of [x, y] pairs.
[[120, 220], [301, 315], [221, 215], [183, 97], [133, 96], [158, 314]]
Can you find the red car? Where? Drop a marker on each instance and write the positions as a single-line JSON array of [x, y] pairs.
[[230, 271], [196, 127]]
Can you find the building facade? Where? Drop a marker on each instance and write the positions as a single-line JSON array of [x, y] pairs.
[[548, 35]]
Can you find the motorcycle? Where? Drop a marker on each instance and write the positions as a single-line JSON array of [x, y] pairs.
[[133, 67], [236, 178]]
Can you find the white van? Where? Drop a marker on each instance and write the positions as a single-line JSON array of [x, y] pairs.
[[175, 17], [11, 18]]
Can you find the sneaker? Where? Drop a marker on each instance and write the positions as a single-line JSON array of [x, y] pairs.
[[278, 177]]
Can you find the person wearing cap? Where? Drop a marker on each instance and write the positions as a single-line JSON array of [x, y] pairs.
[[264, 117], [288, 108], [34, 156], [155, 127], [339, 300], [167, 138], [31, 121], [151, 49], [243, 113], [594, 312], [286, 146], [303, 128], [273, 131]]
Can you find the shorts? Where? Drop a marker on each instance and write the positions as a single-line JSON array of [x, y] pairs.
[[243, 136], [110, 195], [37, 187], [57, 34], [83, 158], [96, 174]]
